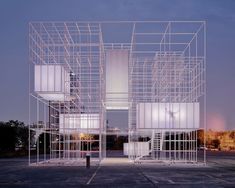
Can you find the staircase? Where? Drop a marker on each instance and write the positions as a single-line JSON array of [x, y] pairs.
[[157, 141], [155, 146]]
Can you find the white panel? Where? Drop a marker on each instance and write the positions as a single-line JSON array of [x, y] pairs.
[[49, 82], [54, 97], [62, 79], [136, 148], [141, 115], [117, 79], [51, 78], [137, 115], [168, 115], [155, 115], [70, 123], [43, 78], [58, 77], [37, 78], [196, 115], [148, 115], [183, 115]]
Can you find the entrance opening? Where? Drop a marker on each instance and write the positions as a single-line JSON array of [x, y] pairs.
[[117, 132]]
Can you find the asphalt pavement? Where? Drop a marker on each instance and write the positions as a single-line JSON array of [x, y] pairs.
[[119, 172]]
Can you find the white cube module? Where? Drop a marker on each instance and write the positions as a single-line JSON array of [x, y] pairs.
[[52, 82], [72, 123], [117, 79], [167, 115]]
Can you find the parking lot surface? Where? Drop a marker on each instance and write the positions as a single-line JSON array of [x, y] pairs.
[[118, 172]]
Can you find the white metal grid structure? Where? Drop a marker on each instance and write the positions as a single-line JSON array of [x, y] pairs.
[[69, 98]]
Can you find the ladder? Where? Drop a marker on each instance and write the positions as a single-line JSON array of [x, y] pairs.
[[157, 141], [156, 144]]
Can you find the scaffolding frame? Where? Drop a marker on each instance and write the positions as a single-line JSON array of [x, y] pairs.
[[167, 64]]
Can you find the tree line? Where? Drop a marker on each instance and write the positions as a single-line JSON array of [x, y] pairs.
[[14, 137]]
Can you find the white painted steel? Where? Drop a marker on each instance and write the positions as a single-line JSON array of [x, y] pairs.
[[90, 67], [51, 82], [117, 79], [73, 123], [136, 148], [168, 116]]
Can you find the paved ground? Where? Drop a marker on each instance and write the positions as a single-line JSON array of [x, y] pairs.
[[220, 172]]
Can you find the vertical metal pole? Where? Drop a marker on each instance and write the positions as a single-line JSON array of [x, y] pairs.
[[44, 132], [205, 123], [38, 139], [29, 122]]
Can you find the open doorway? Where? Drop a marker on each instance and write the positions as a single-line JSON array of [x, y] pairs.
[[117, 132]]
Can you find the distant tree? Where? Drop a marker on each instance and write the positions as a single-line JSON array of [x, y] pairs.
[[8, 137], [232, 135], [200, 137], [120, 141], [14, 134], [110, 141], [23, 137], [15, 123], [44, 142], [215, 143]]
